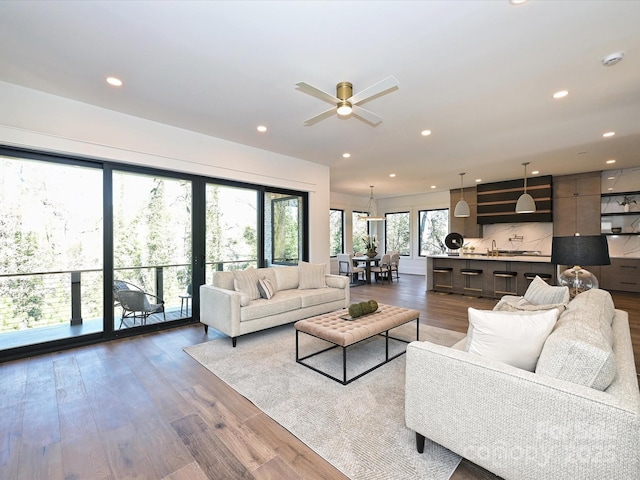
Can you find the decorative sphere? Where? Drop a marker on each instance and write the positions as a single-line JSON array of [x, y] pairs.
[[578, 280]]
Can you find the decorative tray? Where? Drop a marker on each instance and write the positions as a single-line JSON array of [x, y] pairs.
[[349, 318]]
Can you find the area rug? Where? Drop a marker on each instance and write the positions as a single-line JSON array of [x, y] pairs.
[[359, 428]]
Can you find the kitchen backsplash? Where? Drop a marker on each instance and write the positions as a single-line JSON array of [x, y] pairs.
[[537, 237]]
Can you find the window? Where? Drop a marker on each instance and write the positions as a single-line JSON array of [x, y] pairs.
[[359, 229], [433, 226], [284, 228], [336, 232], [232, 228], [397, 232]]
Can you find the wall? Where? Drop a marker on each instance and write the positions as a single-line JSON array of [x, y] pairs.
[[40, 121]]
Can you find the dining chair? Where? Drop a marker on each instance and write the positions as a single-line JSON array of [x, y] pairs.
[[395, 263], [383, 269], [346, 267]]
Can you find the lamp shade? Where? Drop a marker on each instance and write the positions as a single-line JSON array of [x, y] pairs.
[[462, 209], [525, 204], [580, 250]]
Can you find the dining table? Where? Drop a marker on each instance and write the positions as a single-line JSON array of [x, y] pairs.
[[368, 261]]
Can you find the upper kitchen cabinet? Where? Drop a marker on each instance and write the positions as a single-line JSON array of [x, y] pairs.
[[576, 204], [466, 226]]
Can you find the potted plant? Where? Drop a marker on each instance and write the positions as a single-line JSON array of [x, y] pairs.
[[370, 245]]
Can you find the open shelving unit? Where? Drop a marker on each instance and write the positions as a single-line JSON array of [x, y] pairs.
[[612, 214]]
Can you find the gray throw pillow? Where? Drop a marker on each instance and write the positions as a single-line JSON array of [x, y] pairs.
[[541, 293]]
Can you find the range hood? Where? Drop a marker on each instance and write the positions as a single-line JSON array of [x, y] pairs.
[[497, 201]]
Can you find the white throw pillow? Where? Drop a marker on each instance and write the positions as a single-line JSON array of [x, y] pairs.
[[311, 276], [246, 281], [515, 338], [541, 293]]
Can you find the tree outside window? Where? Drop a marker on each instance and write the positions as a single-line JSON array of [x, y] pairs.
[[398, 232], [336, 232], [433, 227], [360, 229]]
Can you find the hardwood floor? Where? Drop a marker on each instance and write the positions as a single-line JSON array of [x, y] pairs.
[[141, 407]]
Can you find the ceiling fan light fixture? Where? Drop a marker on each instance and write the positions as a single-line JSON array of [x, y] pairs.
[[462, 207], [344, 108], [525, 204]]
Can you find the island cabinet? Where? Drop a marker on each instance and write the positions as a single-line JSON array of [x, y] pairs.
[[519, 265], [622, 275], [576, 204], [468, 226]]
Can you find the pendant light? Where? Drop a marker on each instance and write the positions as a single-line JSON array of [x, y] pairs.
[[371, 210], [525, 202], [462, 207]]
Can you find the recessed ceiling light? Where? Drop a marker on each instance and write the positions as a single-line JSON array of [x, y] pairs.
[[261, 128], [116, 82], [561, 94], [425, 133], [608, 134], [517, 2], [392, 175], [346, 155], [433, 186], [611, 178], [611, 161], [535, 172], [478, 180], [610, 188]]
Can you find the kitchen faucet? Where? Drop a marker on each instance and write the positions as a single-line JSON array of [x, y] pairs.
[[494, 248]]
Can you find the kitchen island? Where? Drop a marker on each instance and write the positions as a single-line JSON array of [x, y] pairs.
[[445, 273]]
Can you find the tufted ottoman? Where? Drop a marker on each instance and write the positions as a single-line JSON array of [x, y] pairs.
[[333, 328]]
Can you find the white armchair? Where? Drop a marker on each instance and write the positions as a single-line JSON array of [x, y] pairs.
[[345, 267]]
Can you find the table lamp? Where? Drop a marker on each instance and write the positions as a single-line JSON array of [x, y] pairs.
[[579, 251]]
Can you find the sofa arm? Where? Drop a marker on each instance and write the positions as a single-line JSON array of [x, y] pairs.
[[515, 423], [220, 309], [342, 282]]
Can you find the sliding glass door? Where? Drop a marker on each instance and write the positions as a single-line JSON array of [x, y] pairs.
[[51, 250], [151, 249]]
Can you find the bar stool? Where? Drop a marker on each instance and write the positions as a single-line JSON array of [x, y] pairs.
[[508, 282], [468, 274], [544, 276], [441, 270]]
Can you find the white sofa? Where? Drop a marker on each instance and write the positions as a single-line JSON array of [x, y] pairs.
[[577, 415], [236, 305]]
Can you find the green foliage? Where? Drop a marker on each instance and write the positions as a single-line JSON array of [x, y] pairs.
[[355, 310], [398, 232], [363, 308]]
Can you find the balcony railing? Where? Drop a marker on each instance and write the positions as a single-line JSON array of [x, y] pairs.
[[39, 299]]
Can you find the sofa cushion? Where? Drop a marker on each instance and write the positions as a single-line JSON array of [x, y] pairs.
[[267, 288], [580, 348], [510, 303], [318, 296], [246, 281], [311, 276], [285, 301], [515, 338], [541, 293], [286, 277]]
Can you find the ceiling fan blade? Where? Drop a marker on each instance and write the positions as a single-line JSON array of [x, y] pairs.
[[366, 115], [311, 90], [322, 116], [375, 89]]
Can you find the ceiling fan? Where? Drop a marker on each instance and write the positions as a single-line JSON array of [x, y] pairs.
[[346, 103]]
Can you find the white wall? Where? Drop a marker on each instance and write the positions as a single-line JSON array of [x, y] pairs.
[[40, 121]]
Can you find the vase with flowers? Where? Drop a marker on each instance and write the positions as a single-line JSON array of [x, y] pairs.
[[370, 245], [626, 203]]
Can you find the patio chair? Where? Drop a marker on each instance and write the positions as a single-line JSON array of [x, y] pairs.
[[135, 302]]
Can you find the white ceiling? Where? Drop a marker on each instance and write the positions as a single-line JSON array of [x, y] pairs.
[[479, 74]]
